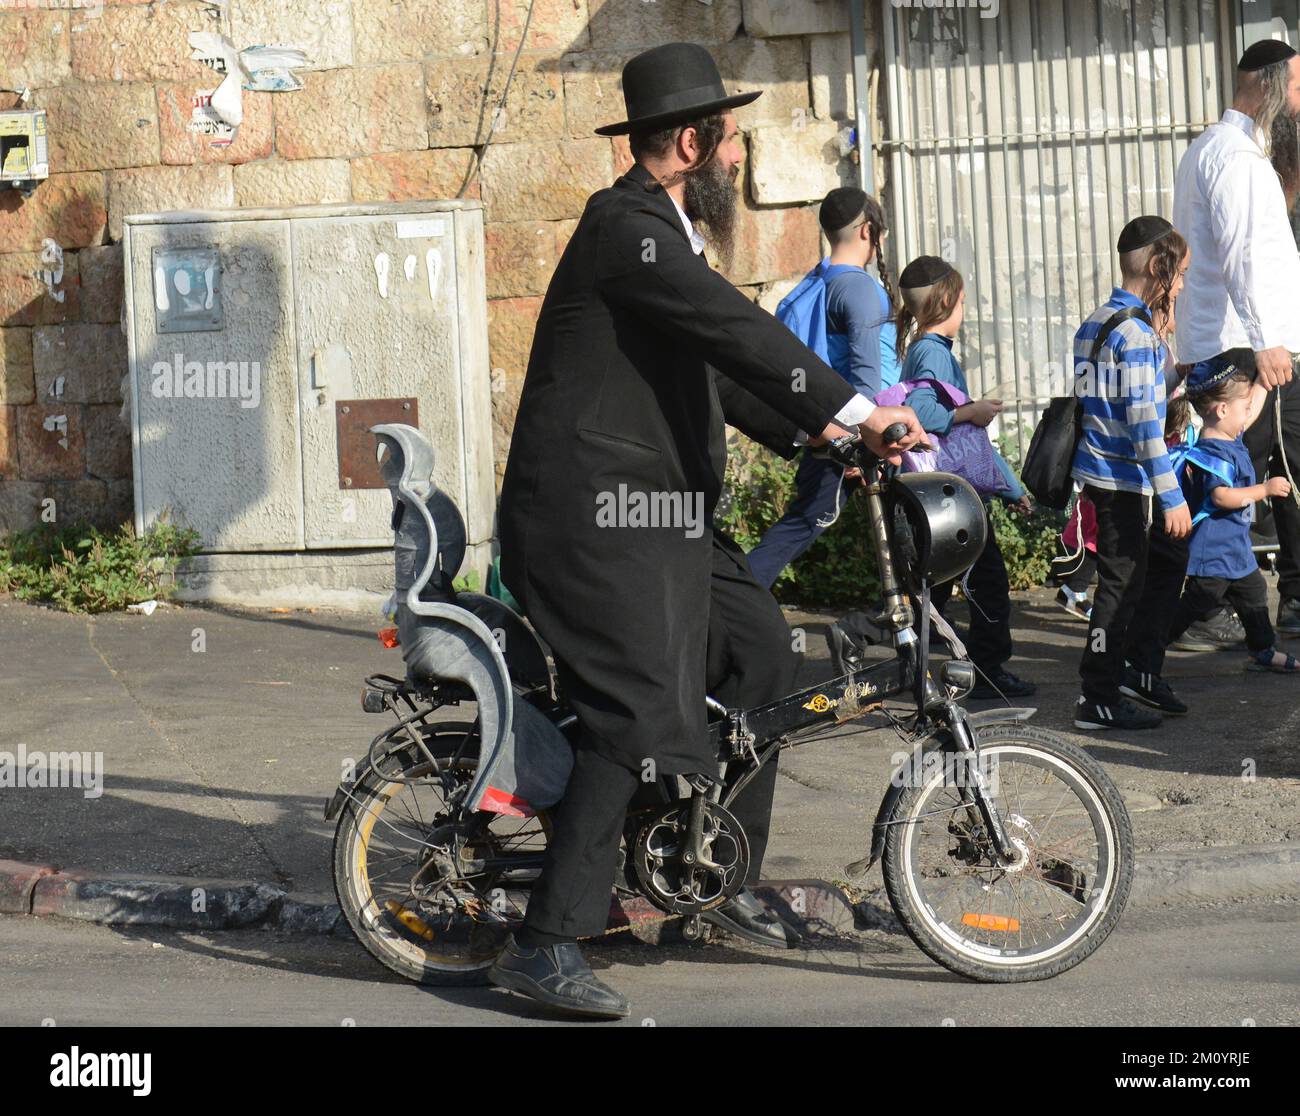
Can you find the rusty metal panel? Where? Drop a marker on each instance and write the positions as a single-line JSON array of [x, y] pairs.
[[358, 462]]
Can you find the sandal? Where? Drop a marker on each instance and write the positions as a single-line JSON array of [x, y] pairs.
[[1269, 667]]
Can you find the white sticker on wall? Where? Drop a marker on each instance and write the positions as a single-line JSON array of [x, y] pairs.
[[381, 271], [429, 226], [409, 267], [433, 261]]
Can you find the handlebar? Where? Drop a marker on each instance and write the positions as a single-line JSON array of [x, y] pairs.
[[851, 451], [895, 433]]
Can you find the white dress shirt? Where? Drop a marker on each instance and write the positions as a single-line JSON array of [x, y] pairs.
[[1243, 286], [854, 411]]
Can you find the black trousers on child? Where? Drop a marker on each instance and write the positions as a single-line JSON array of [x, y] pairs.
[[1150, 632], [1123, 542], [749, 662], [989, 595], [1248, 595]]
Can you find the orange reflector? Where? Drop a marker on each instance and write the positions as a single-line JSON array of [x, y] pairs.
[[409, 919], [991, 922], [388, 637]]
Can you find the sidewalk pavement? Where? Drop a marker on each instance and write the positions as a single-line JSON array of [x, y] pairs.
[[222, 733]]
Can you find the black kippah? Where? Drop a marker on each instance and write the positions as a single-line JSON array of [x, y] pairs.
[[1141, 231], [1266, 52], [923, 271], [841, 207]]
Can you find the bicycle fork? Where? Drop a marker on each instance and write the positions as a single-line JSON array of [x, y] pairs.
[[975, 785]]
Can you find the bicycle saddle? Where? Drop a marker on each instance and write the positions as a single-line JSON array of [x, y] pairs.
[[524, 762]]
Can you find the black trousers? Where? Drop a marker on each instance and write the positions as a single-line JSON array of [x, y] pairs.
[[989, 593], [750, 662], [1265, 453], [1248, 595], [1123, 540], [1150, 630]]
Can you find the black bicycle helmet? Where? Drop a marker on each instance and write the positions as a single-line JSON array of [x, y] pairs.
[[939, 526]]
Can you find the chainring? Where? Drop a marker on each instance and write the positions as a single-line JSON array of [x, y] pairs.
[[679, 888]]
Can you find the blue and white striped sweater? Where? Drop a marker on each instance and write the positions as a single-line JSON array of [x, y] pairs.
[[1123, 443]]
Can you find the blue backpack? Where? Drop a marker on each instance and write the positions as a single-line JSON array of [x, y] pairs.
[[803, 310]]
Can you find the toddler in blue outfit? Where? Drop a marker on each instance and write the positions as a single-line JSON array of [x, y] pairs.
[[1219, 483]]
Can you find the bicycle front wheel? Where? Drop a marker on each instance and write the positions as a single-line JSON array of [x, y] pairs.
[[1060, 898]]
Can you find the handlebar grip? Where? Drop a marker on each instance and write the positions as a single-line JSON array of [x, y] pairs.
[[895, 433]]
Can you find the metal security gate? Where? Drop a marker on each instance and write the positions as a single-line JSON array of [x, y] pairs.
[[1022, 136]]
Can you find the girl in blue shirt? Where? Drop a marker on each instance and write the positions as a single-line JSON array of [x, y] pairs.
[[934, 298]]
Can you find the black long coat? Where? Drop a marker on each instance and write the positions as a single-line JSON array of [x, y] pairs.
[[640, 350]]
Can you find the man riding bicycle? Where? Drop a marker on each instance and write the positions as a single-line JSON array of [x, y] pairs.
[[641, 353]]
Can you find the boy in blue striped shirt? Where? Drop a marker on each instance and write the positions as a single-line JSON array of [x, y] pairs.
[[1123, 371]]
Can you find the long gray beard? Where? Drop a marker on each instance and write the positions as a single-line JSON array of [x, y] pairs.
[[710, 201]]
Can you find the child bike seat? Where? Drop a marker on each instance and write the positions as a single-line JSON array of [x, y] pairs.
[[524, 761]]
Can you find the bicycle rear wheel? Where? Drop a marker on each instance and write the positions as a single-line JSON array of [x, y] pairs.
[[1050, 909], [431, 895]]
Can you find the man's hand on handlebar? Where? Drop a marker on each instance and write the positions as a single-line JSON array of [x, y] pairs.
[[889, 431]]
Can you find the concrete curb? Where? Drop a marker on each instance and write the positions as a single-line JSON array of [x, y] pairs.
[[44, 891], [818, 909]]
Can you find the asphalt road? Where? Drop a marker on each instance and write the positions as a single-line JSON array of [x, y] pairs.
[[1215, 965]]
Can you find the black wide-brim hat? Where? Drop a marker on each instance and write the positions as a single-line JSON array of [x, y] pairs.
[[672, 84]]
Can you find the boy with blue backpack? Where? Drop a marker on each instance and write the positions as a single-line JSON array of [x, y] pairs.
[[845, 315]]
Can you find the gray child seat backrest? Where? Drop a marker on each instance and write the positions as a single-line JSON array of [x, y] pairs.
[[524, 761]]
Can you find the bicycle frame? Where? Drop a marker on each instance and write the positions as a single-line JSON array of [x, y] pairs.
[[754, 736]]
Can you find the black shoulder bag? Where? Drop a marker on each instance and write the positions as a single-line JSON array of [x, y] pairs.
[[1047, 465]]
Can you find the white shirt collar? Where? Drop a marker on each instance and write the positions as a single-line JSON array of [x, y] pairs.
[[1242, 122], [697, 241]]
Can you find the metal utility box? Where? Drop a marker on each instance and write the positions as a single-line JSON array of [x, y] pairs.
[[265, 342], [24, 149]]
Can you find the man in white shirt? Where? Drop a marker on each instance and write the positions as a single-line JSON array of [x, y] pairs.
[[1241, 290], [1243, 286]]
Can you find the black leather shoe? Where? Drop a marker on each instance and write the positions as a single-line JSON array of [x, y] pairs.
[[747, 918], [1288, 616], [558, 976]]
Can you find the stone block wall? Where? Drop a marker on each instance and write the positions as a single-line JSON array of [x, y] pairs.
[[396, 97]]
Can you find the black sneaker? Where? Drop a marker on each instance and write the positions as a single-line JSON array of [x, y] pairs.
[[1221, 632], [1152, 690], [999, 684], [1122, 714], [1288, 616]]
